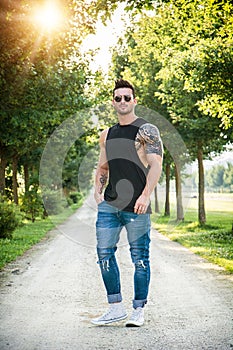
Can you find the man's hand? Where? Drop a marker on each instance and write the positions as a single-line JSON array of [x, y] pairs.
[[141, 204], [143, 201]]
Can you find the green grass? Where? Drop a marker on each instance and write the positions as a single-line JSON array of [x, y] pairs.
[[213, 241], [27, 235], [24, 238]]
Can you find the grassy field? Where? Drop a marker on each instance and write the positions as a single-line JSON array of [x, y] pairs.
[[214, 240]]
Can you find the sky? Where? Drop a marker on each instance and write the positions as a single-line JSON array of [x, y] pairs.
[[105, 37]]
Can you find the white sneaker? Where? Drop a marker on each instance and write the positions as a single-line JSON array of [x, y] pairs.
[[136, 319], [115, 313]]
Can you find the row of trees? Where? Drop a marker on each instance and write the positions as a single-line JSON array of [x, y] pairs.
[[177, 54], [220, 178], [180, 57], [42, 82]]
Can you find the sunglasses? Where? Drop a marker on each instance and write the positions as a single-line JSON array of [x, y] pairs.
[[127, 98]]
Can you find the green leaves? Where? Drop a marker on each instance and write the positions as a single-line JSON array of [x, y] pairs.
[[43, 78]]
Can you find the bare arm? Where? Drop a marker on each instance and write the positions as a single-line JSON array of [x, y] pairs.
[[101, 175], [152, 179], [153, 152]]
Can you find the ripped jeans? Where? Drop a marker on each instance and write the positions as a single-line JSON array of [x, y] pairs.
[[109, 224]]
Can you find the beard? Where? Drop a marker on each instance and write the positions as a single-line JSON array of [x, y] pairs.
[[124, 110]]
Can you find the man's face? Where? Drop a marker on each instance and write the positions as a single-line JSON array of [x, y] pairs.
[[123, 101]]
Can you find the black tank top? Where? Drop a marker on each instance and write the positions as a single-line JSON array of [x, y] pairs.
[[127, 174]]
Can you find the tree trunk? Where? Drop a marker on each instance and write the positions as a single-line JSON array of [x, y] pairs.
[[3, 164], [167, 199], [201, 189], [179, 205], [14, 179], [26, 177], [156, 200]]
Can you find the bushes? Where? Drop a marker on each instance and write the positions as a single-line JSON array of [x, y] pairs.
[[10, 218], [76, 196], [32, 204]]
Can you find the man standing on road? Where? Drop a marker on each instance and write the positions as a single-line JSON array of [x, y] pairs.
[[130, 165]]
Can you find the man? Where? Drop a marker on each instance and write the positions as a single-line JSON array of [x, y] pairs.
[[130, 164]]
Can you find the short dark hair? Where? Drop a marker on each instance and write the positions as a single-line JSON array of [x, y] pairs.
[[120, 83]]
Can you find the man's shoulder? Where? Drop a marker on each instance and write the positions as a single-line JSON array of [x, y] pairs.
[[103, 135], [150, 136], [149, 129]]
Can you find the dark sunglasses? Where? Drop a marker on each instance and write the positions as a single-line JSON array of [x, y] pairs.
[[127, 98]]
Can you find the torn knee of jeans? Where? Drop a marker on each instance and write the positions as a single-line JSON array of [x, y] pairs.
[[140, 263], [104, 264]]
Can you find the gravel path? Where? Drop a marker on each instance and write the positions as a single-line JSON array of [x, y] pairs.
[[49, 296]]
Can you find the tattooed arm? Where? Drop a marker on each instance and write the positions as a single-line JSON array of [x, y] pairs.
[[101, 175], [153, 149]]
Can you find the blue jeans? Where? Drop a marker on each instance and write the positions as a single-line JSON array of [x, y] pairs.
[[109, 224]]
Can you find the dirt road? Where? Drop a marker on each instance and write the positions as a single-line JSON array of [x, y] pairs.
[[49, 296]]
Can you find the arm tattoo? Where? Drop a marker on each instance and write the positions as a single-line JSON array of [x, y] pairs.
[[103, 179], [148, 134]]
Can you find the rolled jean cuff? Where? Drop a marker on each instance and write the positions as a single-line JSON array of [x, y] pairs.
[[139, 303], [114, 298]]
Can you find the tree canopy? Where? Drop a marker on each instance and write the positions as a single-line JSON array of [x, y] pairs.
[[178, 54]]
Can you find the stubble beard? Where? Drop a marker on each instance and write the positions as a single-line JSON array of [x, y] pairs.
[[125, 111]]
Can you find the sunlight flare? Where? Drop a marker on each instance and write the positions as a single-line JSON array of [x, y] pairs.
[[49, 16]]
